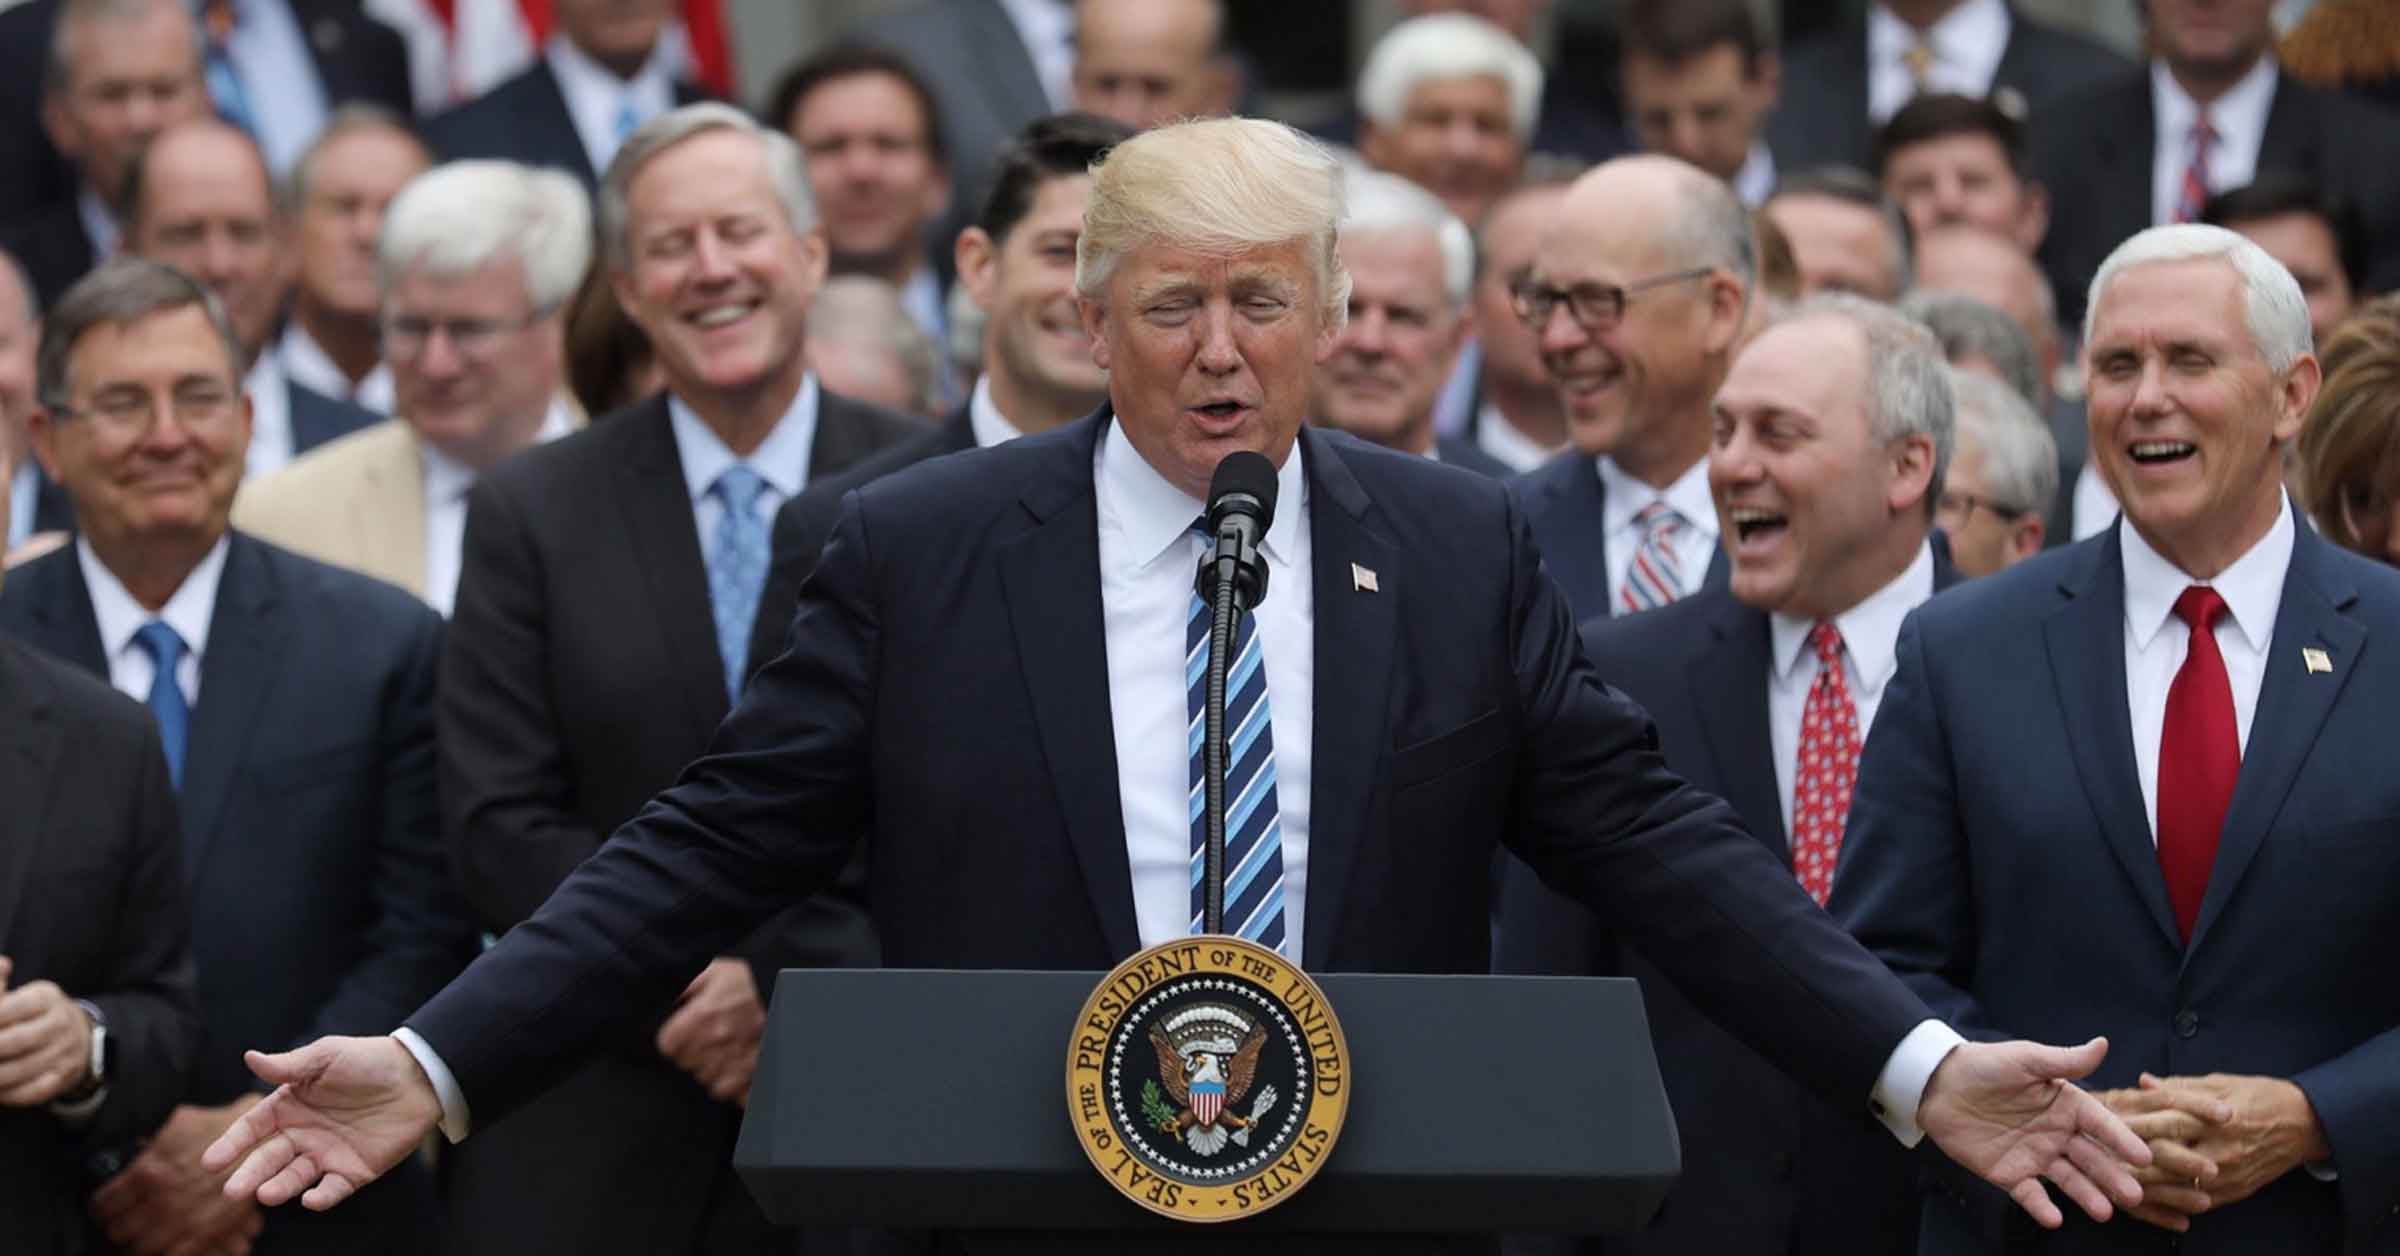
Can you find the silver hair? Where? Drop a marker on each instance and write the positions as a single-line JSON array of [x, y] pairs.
[[1968, 327], [345, 121], [458, 218], [59, 75], [865, 312], [1375, 202], [787, 169], [1443, 46], [2020, 456], [1713, 230], [121, 292], [1908, 383], [2273, 308]]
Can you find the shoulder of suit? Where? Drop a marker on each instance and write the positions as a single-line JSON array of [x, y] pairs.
[[2010, 602], [1670, 630], [456, 123], [312, 483], [36, 580], [600, 447], [80, 701], [339, 597]]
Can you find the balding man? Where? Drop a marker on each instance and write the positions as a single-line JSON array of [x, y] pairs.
[[199, 198], [1145, 62], [335, 198]]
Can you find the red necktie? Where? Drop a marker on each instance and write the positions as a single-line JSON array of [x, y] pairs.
[[2199, 756], [2194, 193], [1827, 770]]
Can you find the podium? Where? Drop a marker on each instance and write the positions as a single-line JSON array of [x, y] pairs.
[[923, 1099]]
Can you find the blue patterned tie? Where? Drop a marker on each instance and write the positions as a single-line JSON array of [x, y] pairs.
[[737, 568], [166, 693], [1253, 838]]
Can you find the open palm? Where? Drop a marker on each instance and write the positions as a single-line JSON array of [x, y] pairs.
[[344, 1111], [2011, 1113]]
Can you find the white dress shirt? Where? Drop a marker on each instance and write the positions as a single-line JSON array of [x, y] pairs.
[[270, 417], [24, 489], [1047, 29], [1455, 403], [2095, 506], [2239, 117], [188, 611], [984, 418], [597, 98], [1496, 436], [2156, 641], [1870, 653], [306, 363], [99, 224], [1755, 181], [1695, 545], [446, 483], [1967, 44], [280, 84], [781, 459]]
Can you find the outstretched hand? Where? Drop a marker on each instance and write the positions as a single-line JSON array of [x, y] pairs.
[[2011, 1113], [344, 1111]]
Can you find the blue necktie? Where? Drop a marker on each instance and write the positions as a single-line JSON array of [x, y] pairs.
[[737, 568], [1253, 838], [217, 70], [166, 693], [629, 120]]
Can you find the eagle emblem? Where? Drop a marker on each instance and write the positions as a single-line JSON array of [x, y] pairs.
[[1207, 1058]]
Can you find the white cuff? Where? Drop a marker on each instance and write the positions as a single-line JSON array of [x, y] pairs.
[[445, 1086], [2323, 1171], [1901, 1085]]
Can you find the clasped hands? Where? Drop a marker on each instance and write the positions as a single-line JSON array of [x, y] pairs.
[[2214, 1140]]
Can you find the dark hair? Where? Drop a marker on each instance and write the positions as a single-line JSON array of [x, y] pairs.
[[843, 61], [1679, 30], [122, 292], [1857, 187], [2276, 192], [1053, 147], [1937, 115], [604, 346]]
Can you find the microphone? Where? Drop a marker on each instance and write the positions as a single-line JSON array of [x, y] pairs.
[[1233, 577]]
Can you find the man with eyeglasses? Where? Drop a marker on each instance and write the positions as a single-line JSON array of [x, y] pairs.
[[2002, 477], [294, 702], [1638, 293], [477, 261]]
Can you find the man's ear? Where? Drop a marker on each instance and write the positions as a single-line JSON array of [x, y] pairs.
[[1093, 316], [2033, 221], [1912, 473], [977, 257]]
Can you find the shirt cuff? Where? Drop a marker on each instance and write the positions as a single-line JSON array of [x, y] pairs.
[[445, 1086], [1901, 1085], [2323, 1171], [81, 1111]]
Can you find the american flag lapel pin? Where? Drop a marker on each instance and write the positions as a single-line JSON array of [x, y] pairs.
[[2316, 659], [1362, 579]]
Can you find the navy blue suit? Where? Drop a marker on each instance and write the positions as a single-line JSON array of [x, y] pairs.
[[945, 668], [321, 900], [1999, 858], [1767, 1167], [1566, 505], [524, 120]]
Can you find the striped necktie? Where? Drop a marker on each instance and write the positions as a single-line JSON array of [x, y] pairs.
[[2191, 194], [1654, 577], [1253, 838]]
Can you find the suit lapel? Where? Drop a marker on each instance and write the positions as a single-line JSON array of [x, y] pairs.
[[2292, 705], [64, 624], [2292, 140], [2124, 143], [1356, 635], [245, 640], [389, 516], [1011, 86], [657, 511], [2086, 643], [1575, 504], [1729, 690], [28, 743], [550, 115], [1050, 578]]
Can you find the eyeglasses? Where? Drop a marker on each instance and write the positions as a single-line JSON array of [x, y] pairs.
[[1594, 306], [129, 413], [1962, 507], [406, 335]]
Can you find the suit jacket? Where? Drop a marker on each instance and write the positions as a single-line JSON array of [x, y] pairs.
[[1566, 505], [1999, 858], [50, 244], [556, 723], [524, 119], [1822, 116], [318, 419], [2095, 148], [1767, 1167], [320, 900], [92, 898], [1462, 452], [983, 82], [359, 503], [946, 668]]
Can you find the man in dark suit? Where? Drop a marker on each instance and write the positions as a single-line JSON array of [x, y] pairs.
[[95, 943], [1834, 432], [295, 703], [36, 504], [2130, 145], [607, 603], [604, 72], [1701, 78], [334, 199], [1639, 292], [973, 614], [2179, 722], [1839, 87]]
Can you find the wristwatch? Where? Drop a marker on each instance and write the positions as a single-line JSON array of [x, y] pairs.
[[97, 1075]]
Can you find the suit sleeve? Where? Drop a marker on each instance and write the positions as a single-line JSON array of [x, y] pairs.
[[2357, 1100], [766, 818], [1603, 820], [150, 993], [420, 936]]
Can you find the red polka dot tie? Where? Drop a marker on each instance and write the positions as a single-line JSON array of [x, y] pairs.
[[1827, 768]]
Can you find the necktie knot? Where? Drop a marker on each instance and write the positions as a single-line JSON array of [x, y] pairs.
[[738, 488], [2203, 134], [1918, 58], [164, 646], [1658, 519], [1826, 640], [2201, 607]]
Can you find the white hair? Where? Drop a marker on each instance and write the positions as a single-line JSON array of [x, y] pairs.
[[1908, 383], [2273, 309], [458, 218], [2020, 456], [1377, 202], [787, 169], [1443, 46]]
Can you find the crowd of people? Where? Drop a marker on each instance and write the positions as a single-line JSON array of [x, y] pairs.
[[1886, 537]]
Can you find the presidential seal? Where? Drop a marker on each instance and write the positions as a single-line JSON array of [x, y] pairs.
[[1207, 1078]]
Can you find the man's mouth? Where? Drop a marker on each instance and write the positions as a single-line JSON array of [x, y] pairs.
[[2152, 453], [1754, 523], [724, 314]]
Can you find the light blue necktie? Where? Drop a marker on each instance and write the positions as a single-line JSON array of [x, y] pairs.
[[629, 120], [166, 693], [1253, 835], [737, 568], [224, 82]]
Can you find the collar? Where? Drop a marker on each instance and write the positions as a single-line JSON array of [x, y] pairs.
[[983, 416], [1625, 496], [1504, 440], [1755, 181], [99, 223], [2252, 587], [2239, 117], [921, 296], [1965, 34], [1870, 630], [584, 81], [1154, 515], [781, 459], [188, 609], [305, 360], [447, 479]]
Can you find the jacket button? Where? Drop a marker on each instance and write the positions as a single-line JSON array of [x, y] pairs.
[[2187, 1023]]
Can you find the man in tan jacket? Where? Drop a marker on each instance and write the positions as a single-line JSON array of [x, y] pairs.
[[476, 263]]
